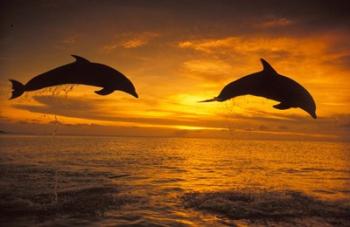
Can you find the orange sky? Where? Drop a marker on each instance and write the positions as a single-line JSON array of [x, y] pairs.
[[177, 54]]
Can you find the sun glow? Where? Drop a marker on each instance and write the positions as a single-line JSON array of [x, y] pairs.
[[172, 74]]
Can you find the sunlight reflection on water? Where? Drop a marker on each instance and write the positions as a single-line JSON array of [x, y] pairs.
[[111, 180]]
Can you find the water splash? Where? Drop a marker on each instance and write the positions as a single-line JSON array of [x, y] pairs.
[[64, 91], [56, 91]]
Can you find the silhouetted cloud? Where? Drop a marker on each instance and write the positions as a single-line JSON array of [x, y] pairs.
[[93, 109]]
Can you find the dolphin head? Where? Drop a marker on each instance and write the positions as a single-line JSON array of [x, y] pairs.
[[310, 110], [115, 80], [309, 106], [122, 83], [127, 87]]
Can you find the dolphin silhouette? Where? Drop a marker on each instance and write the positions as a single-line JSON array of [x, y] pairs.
[[269, 84], [81, 71]]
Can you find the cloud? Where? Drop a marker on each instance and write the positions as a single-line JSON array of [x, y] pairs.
[[342, 61], [70, 40], [134, 43], [210, 45], [140, 40], [213, 70], [93, 109], [276, 22], [110, 47], [237, 46], [94, 130], [234, 56], [131, 41], [315, 56]]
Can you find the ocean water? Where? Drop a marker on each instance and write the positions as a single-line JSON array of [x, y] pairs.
[[135, 181]]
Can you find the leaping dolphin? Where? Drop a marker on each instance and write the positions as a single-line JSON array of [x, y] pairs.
[[269, 84], [81, 71]]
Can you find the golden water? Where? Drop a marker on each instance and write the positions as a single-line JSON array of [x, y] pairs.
[[172, 181]]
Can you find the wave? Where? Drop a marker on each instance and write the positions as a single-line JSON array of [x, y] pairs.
[[86, 201], [268, 205]]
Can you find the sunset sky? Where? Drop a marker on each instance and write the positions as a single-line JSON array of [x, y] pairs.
[[177, 53]]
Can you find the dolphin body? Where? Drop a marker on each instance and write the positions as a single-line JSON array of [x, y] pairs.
[[269, 84], [81, 71]]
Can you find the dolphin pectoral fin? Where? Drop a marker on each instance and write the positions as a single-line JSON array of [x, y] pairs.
[[104, 91], [282, 106]]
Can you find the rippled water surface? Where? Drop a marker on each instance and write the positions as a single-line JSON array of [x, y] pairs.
[[172, 182]]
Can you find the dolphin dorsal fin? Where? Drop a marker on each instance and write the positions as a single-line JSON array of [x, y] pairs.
[[79, 59], [268, 68]]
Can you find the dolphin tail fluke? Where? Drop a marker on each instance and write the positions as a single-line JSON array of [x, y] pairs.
[[17, 89], [210, 100]]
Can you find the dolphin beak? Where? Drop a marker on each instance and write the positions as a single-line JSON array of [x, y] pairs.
[[135, 94], [313, 115]]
